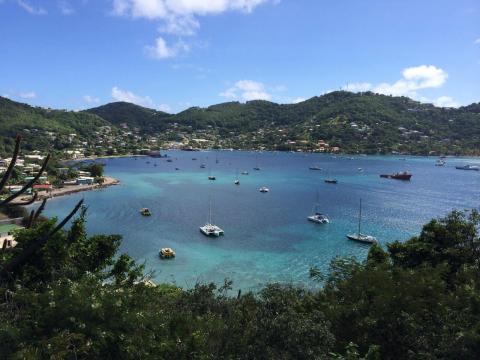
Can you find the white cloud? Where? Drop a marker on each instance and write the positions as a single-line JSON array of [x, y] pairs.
[[477, 41], [247, 90], [31, 9], [161, 50], [161, 9], [27, 95], [128, 96], [179, 17], [91, 99], [414, 78], [65, 7], [180, 25], [298, 100], [445, 101], [357, 87]]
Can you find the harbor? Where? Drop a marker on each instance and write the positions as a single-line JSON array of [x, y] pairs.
[[267, 236]]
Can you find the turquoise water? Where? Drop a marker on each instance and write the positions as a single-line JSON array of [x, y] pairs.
[[267, 237]]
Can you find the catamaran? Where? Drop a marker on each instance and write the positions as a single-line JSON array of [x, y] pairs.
[[318, 217], [367, 239], [210, 229]]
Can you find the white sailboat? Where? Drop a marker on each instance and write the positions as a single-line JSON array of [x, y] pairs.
[[210, 229], [318, 217], [257, 167], [367, 239], [237, 181]]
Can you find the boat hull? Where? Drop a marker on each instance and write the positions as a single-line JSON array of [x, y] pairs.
[[362, 238], [404, 177], [317, 221]]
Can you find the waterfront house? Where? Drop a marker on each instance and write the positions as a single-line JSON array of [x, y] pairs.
[[85, 180]]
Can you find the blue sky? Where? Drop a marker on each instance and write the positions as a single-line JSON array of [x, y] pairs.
[[173, 54]]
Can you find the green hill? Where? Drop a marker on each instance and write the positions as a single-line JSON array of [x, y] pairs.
[[134, 116], [355, 122], [44, 128]]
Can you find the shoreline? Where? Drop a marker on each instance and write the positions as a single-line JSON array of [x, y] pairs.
[[68, 190]]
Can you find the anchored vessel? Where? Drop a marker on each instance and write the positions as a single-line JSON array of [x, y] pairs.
[[363, 238], [264, 189], [166, 253], [145, 212], [398, 176], [210, 229], [468, 167], [318, 217]]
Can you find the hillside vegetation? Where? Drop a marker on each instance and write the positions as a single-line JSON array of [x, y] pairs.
[[75, 298], [354, 122]]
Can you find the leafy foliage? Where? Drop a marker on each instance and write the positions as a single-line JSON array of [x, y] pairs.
[[77, 300]]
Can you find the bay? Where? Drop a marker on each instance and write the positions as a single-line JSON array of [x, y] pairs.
[[267, 236]]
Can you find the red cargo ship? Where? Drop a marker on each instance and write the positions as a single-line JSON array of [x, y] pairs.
[[398, 176]]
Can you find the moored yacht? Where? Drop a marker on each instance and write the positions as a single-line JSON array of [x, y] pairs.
[[468, 167], [363, 238], [264, 189], [210, 229], [318, 217]]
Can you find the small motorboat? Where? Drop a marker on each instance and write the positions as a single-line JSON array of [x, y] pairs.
[[264, 189], [244, 173], [194, 159], [169, 160], [256, 168], [145, 212], [166, 253], [331, 181], [237, 182], [398, 176], [315, 167], [440, 162], [468, 167], [177, 169], [211, 177], [203, 166]]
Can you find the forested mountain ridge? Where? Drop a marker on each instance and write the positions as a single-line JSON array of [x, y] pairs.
[[354, 122]]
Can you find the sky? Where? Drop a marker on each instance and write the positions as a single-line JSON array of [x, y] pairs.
[[174, 54]]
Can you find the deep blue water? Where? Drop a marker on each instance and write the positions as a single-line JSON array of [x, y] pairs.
[[267, 237]]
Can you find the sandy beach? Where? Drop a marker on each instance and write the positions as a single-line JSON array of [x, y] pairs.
[[70, 189]]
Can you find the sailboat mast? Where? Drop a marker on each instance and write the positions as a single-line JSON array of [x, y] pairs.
[[210, 212], [360, 217]]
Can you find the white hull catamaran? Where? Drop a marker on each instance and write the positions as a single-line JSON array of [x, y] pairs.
[[210, 229], [363, 238], [318, 217]]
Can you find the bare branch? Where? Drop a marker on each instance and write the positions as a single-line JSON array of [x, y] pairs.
[[27, 185], [8, 173]]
